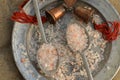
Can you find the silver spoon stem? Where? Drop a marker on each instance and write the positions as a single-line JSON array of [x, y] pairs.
[[90, 77], [40, 25]]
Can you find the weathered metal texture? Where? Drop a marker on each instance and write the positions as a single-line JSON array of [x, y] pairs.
[[19, 43], [70, 3], [84, 13], [55, 14]]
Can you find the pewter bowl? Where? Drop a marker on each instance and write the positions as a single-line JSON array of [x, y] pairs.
[[22, 36]]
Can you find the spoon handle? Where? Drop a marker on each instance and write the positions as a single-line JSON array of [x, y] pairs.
[[40, 25], [87, 67]]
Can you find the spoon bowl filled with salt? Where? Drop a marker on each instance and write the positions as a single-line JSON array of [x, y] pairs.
[[78, 41]]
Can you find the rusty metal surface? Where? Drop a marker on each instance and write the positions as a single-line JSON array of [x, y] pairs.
[[19, 43]]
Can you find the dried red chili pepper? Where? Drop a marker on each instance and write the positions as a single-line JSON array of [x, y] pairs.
[[22, 17], [110, 30]]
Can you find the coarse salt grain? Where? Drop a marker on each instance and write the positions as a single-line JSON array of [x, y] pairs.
[[76, 37], [47, 57]]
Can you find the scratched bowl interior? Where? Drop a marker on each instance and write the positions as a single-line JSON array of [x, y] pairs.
[[59, 29], [27, 42]]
